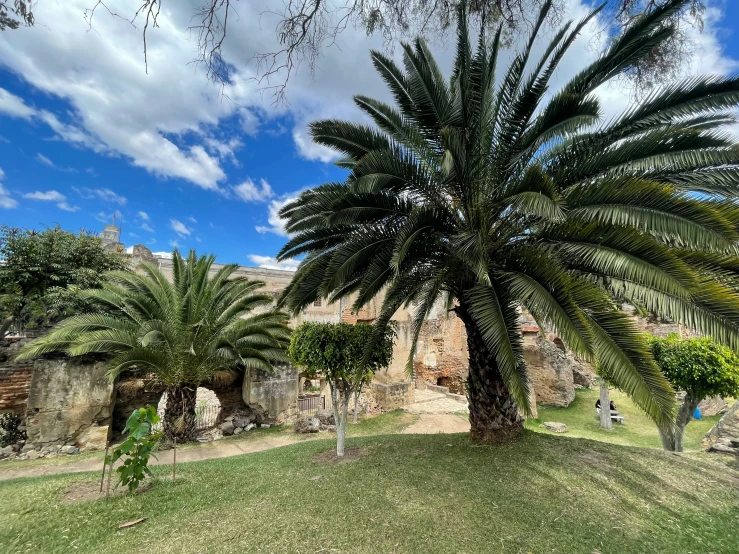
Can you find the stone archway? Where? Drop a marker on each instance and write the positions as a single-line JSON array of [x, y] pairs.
[[207, 408]]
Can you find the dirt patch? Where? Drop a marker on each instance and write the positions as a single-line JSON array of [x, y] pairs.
[[350, 454], [438, 423], [89, 491]]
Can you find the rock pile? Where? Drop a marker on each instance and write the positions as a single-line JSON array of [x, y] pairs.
[[33, 452], [239, 422], [323, 421]]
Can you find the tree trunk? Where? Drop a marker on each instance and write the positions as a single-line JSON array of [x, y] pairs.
[[179, 414], [356, 403], [341, 425], [494, 417], [605, 406], [672, 439]]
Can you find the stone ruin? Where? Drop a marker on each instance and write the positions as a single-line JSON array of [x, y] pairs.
[[724, 436]]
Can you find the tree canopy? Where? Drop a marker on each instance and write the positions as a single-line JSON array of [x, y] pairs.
[[700, 366], [42, 273], [337, 350]]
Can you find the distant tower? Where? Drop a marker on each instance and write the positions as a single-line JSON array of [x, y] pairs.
[[111, 235]]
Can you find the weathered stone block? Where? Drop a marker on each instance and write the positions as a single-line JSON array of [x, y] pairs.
[[69, 401], [554, 427], [393, 396], [307, 425], [276, 393]]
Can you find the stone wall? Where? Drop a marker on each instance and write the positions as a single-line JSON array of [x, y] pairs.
[[724, 436], [70, 402], [393, 396], [550, 371], [275, 394], [15, 378]]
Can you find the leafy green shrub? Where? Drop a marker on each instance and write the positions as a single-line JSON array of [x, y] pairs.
[[700, 367], [137, 448], [9, 432]]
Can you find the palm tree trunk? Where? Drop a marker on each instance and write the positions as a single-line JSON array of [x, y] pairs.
[[605, 405], [494, 417], [179, 414]]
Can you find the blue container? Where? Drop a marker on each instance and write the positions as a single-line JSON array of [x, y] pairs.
[[697, 413]]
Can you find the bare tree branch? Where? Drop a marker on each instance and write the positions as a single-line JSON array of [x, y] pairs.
[[306, 28], [15, 14]]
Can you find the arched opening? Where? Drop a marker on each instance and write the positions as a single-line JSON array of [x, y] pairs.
[[443, 381], [559, 344], [207, 409]]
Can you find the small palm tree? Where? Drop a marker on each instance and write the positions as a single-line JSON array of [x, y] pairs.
[[495, 194], [184, 331]]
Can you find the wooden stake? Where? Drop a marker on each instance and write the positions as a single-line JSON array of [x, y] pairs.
[[110, 473], [105, 463], [174, 460]]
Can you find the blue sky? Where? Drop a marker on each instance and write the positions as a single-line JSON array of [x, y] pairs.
[[85, 132]]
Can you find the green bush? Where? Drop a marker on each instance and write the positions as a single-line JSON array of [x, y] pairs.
[[9, 432]]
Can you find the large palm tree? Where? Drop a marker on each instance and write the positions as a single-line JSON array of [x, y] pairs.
[[183, 331], [494, 193]]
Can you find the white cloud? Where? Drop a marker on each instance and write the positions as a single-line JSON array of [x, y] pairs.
[[276, 223], [268, 262], [48, 196], [14, 106], [144, 216], [146, 227], [180, 228], [52, 196], [6, 201], [46, 161], [191, 219], [174, 244], [248, 191], [104, 194], [165, 255]]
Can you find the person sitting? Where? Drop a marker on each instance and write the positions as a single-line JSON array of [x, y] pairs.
[[613, 406], [615, 416]]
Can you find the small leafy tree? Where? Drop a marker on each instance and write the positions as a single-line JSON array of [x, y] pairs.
[[700, 367], [337, 350], [137, 448]]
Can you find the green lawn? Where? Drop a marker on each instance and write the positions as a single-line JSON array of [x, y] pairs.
[[410, 493], [637, 430]]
